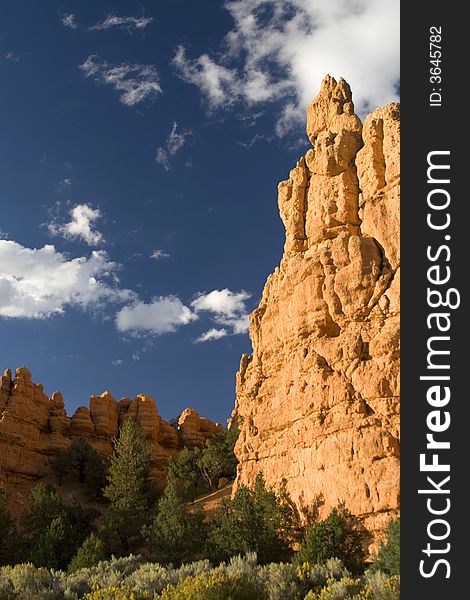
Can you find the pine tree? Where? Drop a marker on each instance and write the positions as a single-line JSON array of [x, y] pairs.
[[389, 552], [176, 534], [90, 553], [6, 527], [255, 520], [127, 489]]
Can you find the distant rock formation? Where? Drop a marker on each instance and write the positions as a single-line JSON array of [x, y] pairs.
[[319, 396], [33, 426]]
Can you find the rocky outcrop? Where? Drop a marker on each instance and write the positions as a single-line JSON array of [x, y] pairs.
[[34, 426], [319, 396]]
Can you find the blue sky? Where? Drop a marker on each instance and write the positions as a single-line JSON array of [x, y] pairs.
[[140, 150]]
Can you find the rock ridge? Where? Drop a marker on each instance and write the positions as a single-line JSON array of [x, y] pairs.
[[33, 427]]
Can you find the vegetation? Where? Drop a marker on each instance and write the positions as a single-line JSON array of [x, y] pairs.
[[389, 552], [198, 470], [256, 520], [176, 534], [240, 579], [250, 539], [128, 487], [6, 528], [336, 537]]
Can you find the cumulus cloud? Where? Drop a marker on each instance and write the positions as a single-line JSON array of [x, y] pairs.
[[69, 20], [227, 308], [159, 254], [211, 334], [135, 82], [80, 226], [280, 50], [174, 142], [163, 314], [38, 283], [129, 23]]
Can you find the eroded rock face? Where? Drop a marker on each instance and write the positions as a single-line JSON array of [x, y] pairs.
[[319, 396], [34, 426]]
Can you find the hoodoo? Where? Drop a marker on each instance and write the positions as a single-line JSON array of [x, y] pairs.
[[319, 396]]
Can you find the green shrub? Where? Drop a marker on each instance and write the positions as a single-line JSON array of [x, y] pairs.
[[335, 537], [176, 534], [215, 585], [29, 582], [90, 553], [389, 552], [281, 581], [255, 520]]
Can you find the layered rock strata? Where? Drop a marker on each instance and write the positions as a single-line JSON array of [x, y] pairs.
[[34, 426], [319, 396]]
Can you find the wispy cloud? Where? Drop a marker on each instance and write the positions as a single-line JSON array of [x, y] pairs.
[[280, 50], [135, 82], [162, 315], [129, 23], [173, 144], [41, 282], [80, 226], [159, 254], [69, 20], [117, 363], [10, 56], [211, 335]]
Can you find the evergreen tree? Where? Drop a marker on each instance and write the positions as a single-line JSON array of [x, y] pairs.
[[127, 489], [79, 454], [90, 553], [176, 534], [389, 552], [185, 473], [6, 528], [217, 458], [60, 465], [335, 537], [255, 520], [53, 530]]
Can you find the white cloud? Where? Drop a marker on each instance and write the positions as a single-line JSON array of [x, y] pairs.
[[159, 254], [162, 315], [69, 20], [129, 23], [221, 302], [38, 283], [80, 226], [211, 334], [174, 142], [282, 49], [162, 158], [227, 308], [135, 82], [117, 363]]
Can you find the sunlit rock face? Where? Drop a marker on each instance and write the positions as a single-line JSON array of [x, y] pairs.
[[319, 396], [34, 426]]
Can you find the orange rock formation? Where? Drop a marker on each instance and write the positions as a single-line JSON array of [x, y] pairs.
[[33, 426], [319, 396]]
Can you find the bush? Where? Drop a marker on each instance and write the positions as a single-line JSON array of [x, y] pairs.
[[215, 585], [116, 593], [255, 520], [90, 553], [281, 581], [389, 552], [176, 534], [29, 582], [53, 531], [335, 537]]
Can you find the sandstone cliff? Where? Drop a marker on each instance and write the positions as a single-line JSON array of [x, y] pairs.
[[33, 426], [319, 396]]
